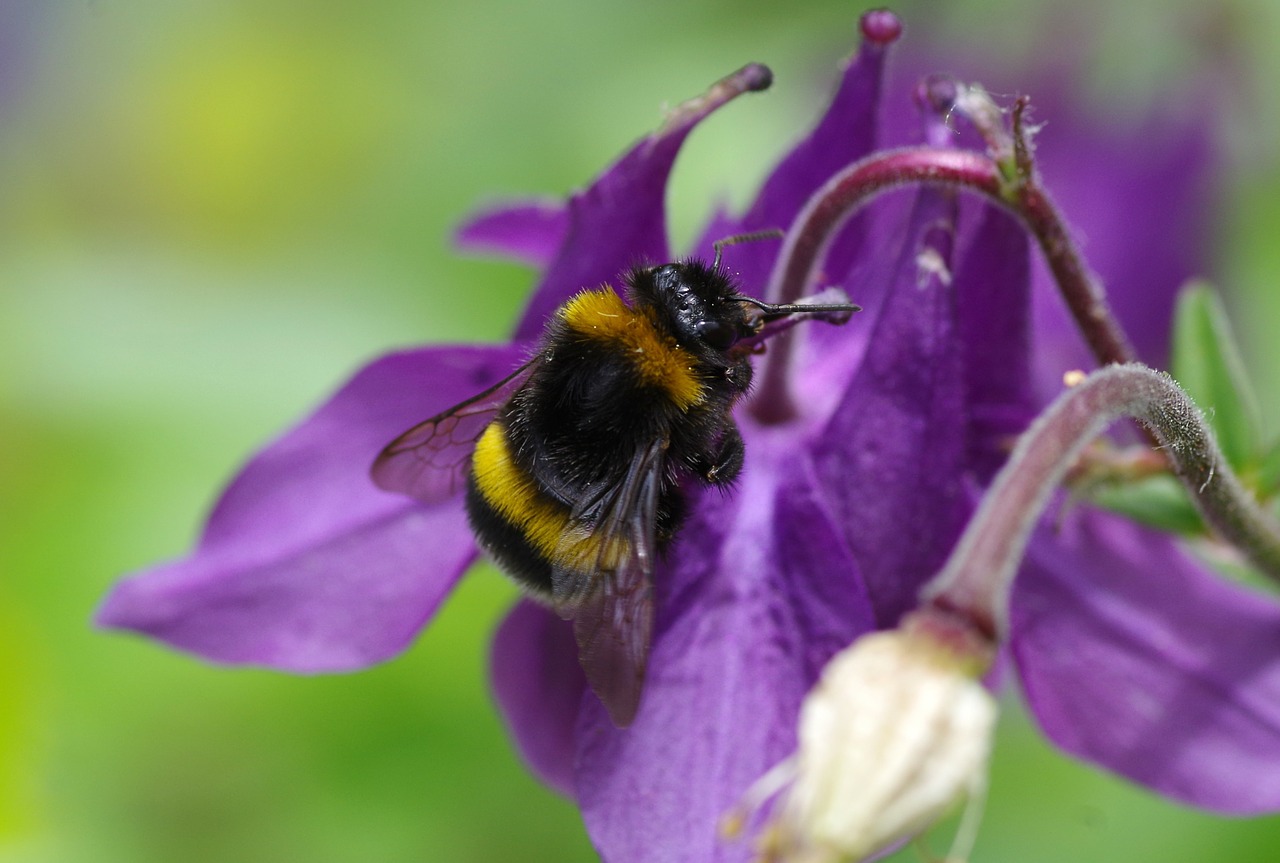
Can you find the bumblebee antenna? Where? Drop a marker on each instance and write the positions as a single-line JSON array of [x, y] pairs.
[[783, 309], [735, 239]]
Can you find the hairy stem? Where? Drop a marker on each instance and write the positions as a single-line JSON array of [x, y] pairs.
[[976, 580]]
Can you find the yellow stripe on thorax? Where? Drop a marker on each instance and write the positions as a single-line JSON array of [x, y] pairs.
[[660, 361], [544, 523]]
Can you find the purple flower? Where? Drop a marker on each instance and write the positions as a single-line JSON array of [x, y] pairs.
[[863, 453]]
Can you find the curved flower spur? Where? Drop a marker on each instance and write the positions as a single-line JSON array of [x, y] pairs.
[[863, 443]]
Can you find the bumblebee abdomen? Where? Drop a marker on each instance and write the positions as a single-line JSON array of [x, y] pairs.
[[507, 545], [524, 527]]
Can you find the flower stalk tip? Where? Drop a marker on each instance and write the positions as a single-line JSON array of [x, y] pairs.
[[880, 27], [751, 78]]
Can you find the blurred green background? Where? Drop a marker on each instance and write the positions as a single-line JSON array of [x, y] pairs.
[[211, 213]]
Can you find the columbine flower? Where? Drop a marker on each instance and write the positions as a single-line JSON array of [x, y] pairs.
[[863, 444]]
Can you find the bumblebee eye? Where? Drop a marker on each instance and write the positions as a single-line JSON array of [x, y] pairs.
[[717, 334]]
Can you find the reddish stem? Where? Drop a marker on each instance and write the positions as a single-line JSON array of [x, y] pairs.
[[806, 243]]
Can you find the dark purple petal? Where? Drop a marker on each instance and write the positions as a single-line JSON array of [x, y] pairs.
[[760, 591], [304, 565], [620, 219], [1137, 658], [528, 231], [992, 285], [846, 133], [539, 686], [892, 456]]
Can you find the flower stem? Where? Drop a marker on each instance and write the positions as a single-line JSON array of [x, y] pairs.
[[976, 580], [806, 243]]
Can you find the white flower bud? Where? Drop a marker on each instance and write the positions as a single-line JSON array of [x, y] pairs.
[[896, 732]]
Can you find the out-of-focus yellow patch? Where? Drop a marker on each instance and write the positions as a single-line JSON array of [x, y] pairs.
[[19, 793], [237, 131]]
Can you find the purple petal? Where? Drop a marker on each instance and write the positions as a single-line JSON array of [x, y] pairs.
[[992, 285], [620, 219], [846, 133], [528, 231], [306, 566], [892, 456], [539, 687], [1138, 659], [760, 592]]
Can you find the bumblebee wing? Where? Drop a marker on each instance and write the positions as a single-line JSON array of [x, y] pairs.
[[429, 462], [613, 537]]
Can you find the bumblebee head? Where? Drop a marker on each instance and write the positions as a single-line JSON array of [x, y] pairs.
[[696, 302], [701, 307]]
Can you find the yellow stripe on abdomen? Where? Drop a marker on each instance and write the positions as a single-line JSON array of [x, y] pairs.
[[659, 360], [544, 523]]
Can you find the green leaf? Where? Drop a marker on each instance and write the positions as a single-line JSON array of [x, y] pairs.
[[1158, 501], [1206, 362]]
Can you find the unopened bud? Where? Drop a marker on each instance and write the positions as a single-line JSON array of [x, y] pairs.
[[896, 732]]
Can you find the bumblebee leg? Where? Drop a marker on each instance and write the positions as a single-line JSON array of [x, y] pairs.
[[723, 466]]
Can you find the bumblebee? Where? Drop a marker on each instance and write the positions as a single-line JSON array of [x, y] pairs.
[[573, 465]]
